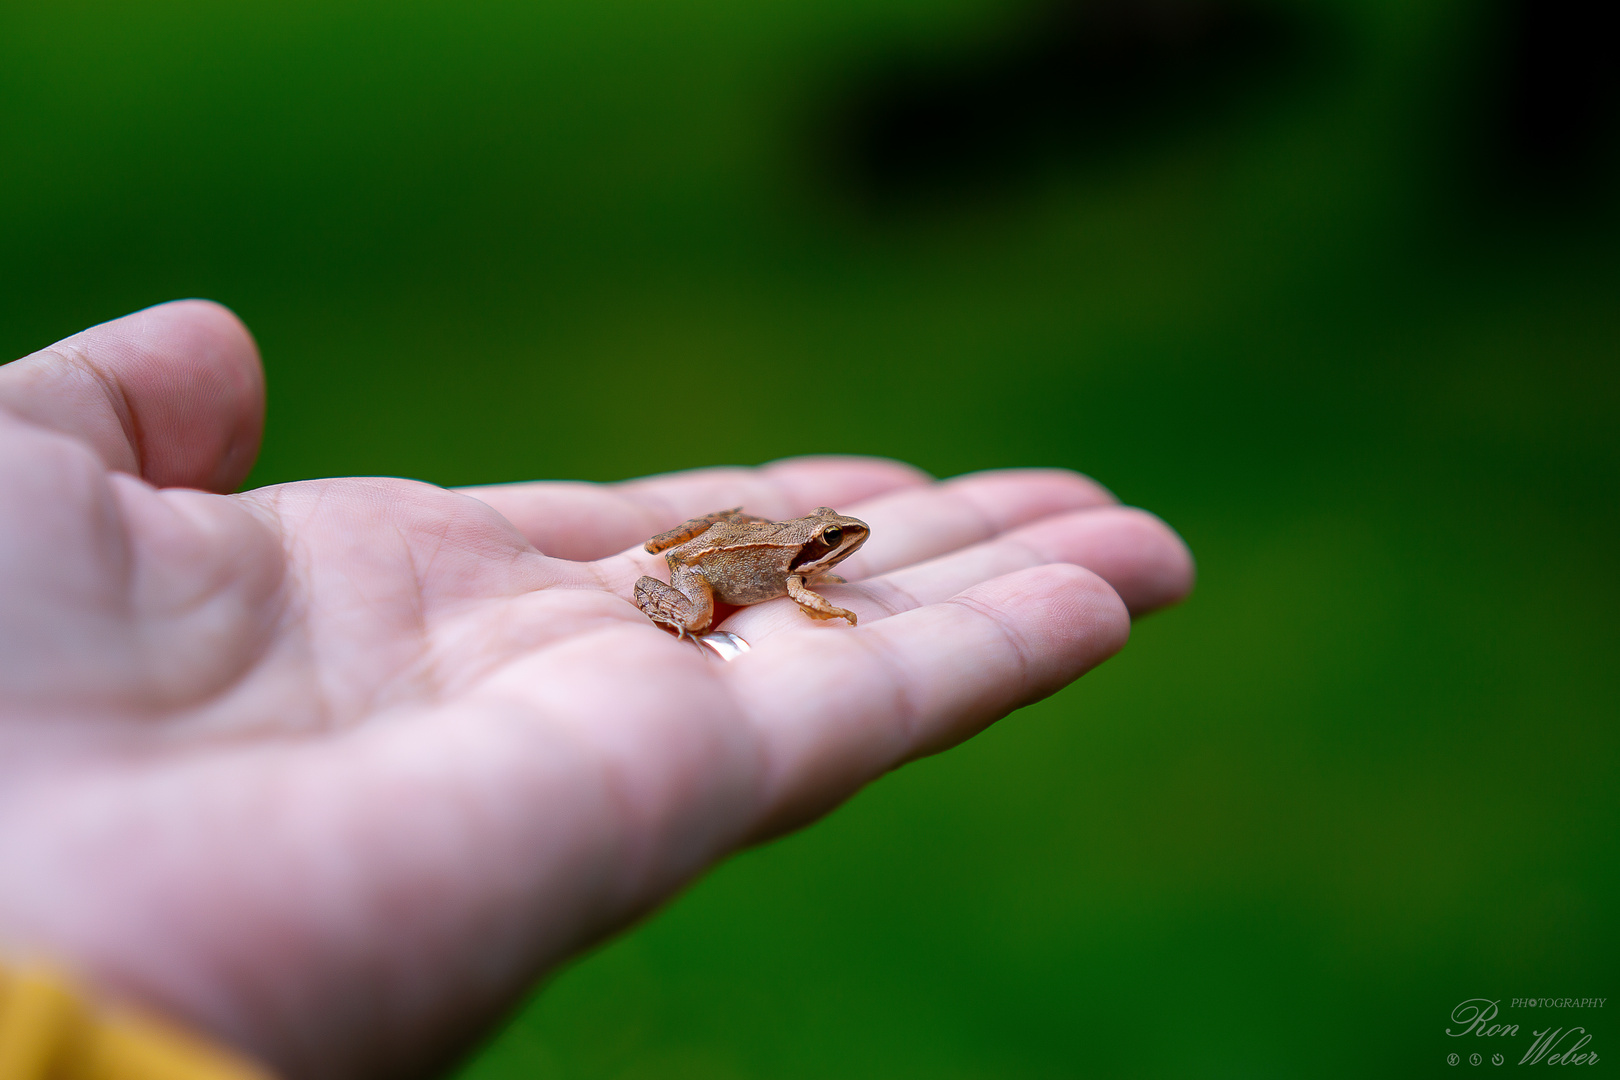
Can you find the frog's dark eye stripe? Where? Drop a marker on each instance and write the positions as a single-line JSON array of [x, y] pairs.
[[832, 536]]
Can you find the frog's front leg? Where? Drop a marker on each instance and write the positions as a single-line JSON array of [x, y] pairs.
[[814, 604], [685, 605]]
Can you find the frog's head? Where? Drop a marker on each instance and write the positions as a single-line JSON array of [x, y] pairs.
[[833, 539]]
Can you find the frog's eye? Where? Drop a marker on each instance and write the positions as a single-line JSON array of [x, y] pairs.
[[833, 536]]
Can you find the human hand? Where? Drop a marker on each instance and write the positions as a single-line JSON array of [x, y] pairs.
[[333, 770]]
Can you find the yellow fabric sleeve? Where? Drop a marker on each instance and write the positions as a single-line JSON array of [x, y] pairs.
[[49, 1032]]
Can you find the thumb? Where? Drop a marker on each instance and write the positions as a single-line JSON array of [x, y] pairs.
[[173, 394]]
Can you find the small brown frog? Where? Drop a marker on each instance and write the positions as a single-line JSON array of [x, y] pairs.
[[737, 558]]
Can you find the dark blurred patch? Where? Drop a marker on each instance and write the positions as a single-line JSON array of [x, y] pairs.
[[1554, 101], [1078, 83]]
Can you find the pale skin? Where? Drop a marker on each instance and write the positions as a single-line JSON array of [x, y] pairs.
[[333, 771]]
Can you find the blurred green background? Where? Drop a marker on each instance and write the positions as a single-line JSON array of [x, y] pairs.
[[1329, 284]]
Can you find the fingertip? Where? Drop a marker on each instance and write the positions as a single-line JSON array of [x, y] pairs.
[[847, 478], [1142, 557], [1035, 491], [1066, 614], [1178, 571], [195, 369], [173, 393]]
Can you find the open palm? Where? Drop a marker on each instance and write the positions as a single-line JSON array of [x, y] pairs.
[[333, 770]]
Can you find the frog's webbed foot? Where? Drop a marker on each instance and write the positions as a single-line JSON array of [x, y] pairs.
[[670, 607], [813, 604]]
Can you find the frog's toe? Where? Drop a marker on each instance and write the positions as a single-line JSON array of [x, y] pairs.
[[828, 612], [667, 607]]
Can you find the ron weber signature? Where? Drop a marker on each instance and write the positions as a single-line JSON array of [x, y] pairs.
[[1552, 1046]]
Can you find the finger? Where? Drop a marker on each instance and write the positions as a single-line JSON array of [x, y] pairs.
[[574, 520], [174, 394], [1138, 555], [836, 710], [917, 523], [914, 524]]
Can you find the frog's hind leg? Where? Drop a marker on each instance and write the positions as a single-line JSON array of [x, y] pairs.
[[814, 604], [680, 534], [685, 612]]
